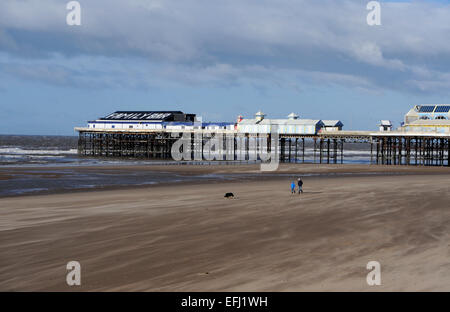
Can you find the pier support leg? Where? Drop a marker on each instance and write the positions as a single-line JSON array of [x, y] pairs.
[[290, 148], [303, 150], [315, 149], [328, 151], [320, 150]]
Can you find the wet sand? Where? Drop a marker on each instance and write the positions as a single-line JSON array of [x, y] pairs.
[[187, 237], [26, 181]]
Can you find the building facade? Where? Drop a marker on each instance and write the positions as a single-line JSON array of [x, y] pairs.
[[144, 120], [428, 118], [292, 125], [385, 126], [332, 125], [177, 120]]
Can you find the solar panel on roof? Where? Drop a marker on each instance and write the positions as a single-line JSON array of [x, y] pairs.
[[442, 109], [426, 109]]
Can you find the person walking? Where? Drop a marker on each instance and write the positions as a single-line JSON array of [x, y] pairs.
[[293, 187], [300, 185]]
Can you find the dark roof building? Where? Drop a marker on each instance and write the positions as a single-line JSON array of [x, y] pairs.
[[155, 116]]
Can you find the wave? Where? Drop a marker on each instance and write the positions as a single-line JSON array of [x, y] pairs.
[[21, 151]]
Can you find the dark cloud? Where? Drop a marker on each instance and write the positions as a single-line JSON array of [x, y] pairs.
[[283, 43]]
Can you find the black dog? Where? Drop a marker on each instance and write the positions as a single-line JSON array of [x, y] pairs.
[[229, 195]]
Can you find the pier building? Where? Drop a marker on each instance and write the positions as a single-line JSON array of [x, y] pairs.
[[428, 119]]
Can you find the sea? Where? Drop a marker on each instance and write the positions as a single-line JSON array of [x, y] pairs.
[[47, 164]]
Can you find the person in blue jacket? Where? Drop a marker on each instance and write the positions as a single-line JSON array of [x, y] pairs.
[[293, 187]]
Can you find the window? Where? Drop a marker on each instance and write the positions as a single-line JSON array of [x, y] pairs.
[[440, 117], [113, 126], [424, 117], [131, 127]]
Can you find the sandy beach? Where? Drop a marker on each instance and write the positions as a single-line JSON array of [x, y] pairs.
[[187, 237]]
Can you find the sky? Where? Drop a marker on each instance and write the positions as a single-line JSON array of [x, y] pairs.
[[220, 59]]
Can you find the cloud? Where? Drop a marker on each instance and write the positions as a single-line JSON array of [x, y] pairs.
[[284, 43], [371, 54]]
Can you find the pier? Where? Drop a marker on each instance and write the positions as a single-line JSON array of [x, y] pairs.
[[386, 148]]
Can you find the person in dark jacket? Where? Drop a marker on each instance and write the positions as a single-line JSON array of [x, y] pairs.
[[300, 185]]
